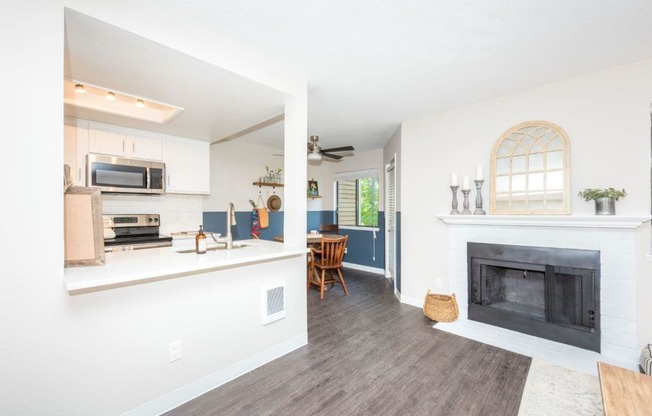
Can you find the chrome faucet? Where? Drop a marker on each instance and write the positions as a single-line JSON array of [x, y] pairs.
[[230, 222]]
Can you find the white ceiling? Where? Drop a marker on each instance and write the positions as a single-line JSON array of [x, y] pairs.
[[369, 65]]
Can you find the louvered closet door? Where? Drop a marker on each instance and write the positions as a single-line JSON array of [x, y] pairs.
[[391, 222]]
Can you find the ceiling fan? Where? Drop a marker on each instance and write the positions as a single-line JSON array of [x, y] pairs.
[[315, 152]]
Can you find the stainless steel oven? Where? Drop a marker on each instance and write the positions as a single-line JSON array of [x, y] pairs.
[[121, 175], [133, 232]]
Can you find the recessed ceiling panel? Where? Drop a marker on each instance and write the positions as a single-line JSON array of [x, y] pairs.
[[216, 102]]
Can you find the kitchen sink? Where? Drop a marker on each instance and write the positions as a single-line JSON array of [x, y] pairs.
[[211, 248]]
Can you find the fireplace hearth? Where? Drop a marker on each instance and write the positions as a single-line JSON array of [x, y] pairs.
[[551, 293]]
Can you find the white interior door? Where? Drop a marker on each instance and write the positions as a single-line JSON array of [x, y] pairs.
[[390, 222]]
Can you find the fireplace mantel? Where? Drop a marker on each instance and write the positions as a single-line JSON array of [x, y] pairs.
[[564, 221]]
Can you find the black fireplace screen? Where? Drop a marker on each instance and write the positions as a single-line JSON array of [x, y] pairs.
[[548, 292], [519, 291]]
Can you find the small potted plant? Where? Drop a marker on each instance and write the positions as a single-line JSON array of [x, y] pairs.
[[605, 199]]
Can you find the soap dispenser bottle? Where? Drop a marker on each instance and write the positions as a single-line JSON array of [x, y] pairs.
[[200, 242]]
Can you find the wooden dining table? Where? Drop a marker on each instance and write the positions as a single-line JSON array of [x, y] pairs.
[[310, 238], [312, 241]]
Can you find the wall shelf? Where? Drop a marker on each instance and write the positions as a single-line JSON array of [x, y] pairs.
[[273, 185], [314, 196]]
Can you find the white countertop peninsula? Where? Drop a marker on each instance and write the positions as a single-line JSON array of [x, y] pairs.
[[125, 268]]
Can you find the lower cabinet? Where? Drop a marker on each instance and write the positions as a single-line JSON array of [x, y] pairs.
[[187, 164]]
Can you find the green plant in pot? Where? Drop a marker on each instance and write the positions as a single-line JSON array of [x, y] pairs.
[[605, 199]]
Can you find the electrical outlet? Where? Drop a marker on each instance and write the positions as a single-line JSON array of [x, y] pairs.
[[438, 282], [346, 250], [175, 350]]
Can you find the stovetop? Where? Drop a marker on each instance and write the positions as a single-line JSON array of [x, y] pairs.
[[134, 232], [137, 243], [137, 239]]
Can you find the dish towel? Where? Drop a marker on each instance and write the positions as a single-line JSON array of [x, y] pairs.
[[263, 214], [255, 224], [263, 217]]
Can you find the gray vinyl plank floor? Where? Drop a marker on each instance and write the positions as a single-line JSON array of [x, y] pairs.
[[368, 354]]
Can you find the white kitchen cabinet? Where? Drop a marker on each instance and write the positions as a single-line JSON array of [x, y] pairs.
[[145, 145], [75, 148], [120, 141], [187, 164], [107, 140], [187, 161]]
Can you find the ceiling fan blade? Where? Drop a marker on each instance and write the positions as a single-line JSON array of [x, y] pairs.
[[338, 149], [332, 156]]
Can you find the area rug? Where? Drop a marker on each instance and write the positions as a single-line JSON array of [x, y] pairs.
[[554, 390]]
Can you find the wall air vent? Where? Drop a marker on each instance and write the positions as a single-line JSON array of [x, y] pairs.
[[273, 304]]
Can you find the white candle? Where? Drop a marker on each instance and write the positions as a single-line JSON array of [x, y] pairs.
[[465, 183], [478, 174], [453, 179]]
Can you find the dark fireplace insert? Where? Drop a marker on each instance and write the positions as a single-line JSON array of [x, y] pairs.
[[551, 293]]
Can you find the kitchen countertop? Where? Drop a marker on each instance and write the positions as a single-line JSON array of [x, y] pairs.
[[126, 268]]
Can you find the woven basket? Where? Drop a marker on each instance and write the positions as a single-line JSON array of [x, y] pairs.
[[440, 308]]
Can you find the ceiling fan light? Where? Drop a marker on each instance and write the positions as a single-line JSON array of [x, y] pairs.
[[140, 103], [110, 96], [314, 156], [79, 88]]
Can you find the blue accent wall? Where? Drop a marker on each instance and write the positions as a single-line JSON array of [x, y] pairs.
[[320, 217], [398, 251], [215, 221], [361, 248]]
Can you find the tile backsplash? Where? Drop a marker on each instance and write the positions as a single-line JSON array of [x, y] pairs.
[[178, 212]]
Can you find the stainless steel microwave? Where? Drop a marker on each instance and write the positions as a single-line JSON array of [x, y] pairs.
[[121, 175]]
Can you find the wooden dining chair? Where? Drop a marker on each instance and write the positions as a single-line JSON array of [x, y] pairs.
[[328, 261], [329, 228]]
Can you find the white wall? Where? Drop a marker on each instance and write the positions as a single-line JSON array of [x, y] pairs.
[[607, 118], [106, 353], [323, 174], [235, 165]]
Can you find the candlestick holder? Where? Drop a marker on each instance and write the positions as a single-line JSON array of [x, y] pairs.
[[454, 211], [478, 198], [466, 210]]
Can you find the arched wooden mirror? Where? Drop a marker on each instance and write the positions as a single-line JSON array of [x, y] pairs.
[[530, 170]]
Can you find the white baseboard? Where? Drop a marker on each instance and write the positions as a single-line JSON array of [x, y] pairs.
[[412, 301], [364, 268], [201, 386]]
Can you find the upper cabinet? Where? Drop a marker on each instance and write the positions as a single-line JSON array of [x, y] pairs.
[[187, 161], [145, 145], [119, 141], [75, 147], [187, 164]]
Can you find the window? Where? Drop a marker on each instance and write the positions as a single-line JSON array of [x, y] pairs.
[[530, 170], [357, 198]]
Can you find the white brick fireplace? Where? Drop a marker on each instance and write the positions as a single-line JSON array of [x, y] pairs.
[[613, 236]]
